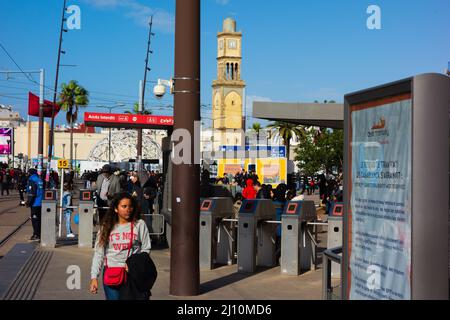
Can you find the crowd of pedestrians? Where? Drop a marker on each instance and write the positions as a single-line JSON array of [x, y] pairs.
[[248, 186], [144, 187]]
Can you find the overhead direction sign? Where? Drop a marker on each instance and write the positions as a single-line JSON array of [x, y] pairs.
[[109, 120]]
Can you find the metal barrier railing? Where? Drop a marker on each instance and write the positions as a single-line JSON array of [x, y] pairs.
[[329, 256]]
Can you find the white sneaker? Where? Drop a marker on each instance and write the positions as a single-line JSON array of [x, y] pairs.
[[71, 235]]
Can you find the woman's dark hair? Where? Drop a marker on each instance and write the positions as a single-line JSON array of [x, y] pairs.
[[111, 218], [280, 193]]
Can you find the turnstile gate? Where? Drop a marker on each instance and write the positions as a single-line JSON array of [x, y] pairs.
[[86, 219], [335, 233], [217, 245], [296, 244], [48, 219], [256, 239]]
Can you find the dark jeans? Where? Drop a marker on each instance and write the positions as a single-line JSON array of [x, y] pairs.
[[5, 186], [21, 191], [36, 220], [112, 293]]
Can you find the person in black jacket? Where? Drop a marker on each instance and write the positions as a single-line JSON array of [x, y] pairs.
[[22, 186]]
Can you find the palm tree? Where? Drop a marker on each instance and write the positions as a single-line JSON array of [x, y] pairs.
[[136, 110], [71, 97], [286, 131], [256, 127]]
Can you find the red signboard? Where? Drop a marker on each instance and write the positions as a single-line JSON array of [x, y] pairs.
[[127, 120]]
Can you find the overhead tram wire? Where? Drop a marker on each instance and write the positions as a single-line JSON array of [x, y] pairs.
[[52, 89], [17, 65], [9, 97], [98, 97]]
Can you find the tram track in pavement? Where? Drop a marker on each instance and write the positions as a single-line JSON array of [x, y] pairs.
[[11, 234], [7, 210]]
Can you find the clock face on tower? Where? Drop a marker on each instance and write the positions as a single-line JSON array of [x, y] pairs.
[[232, 44]]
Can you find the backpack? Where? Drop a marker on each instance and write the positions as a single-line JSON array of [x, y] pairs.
[[31, 193]]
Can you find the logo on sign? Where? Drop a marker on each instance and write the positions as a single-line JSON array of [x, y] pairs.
[[166, 121], [379, 129], [134, 119]]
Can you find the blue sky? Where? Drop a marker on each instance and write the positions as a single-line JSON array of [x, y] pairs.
[[293, 50]]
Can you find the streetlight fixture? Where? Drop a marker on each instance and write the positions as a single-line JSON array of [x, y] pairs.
[[109, 139]]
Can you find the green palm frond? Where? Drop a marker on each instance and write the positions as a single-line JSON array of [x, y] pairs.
[[136, 110]]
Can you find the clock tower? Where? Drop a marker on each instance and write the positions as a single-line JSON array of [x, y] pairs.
[[228, 89]]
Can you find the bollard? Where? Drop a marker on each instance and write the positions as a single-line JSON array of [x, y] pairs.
[[86, 219], [296, 244], [48, 219]]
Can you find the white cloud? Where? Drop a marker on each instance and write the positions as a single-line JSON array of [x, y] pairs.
[[162, 20]]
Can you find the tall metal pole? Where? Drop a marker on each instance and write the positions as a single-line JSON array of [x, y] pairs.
[[142, 100], [41, 124], [13, 143], [109, 147], [50, 140], [76, 166], [109, 139], [139, 131], [184, 261]]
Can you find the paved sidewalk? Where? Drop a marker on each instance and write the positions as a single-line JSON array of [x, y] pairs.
[[54, 280], [220, 284]]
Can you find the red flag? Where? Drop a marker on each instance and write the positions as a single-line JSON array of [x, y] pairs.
[[33, 106]]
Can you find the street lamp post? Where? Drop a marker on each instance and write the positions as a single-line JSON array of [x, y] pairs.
[[41, 117], [142, 97], [64, 146], [109, 146], [76, 167], [9, 149], [118, 105]]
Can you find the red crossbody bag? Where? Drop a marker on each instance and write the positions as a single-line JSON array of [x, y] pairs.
[[115, 276]]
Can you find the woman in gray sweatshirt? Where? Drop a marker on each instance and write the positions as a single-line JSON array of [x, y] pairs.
[[113, 240]]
